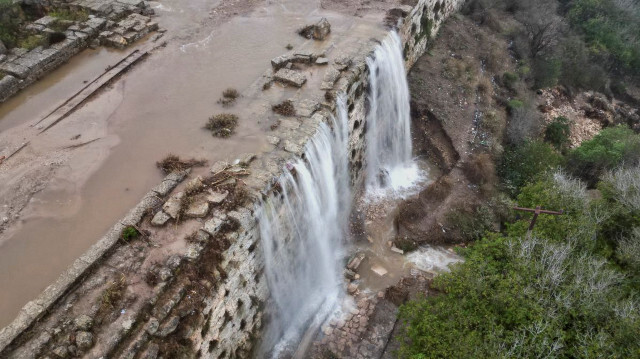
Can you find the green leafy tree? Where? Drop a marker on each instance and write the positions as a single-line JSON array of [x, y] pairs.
[[611, 148]]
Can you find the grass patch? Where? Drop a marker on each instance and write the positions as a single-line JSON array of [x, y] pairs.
[[222, 125], [173, 163], [285, 108], [129, 233], [71, 15], [112, 295], [31, 42], [229, 97], [230, 93]]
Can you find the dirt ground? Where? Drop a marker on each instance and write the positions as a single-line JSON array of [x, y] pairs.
[[456, 114]]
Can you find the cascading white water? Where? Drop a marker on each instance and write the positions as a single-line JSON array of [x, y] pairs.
[[389, 157], [302, 234]]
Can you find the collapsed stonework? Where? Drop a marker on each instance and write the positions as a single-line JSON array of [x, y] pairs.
[[196, 288], [115, 24]]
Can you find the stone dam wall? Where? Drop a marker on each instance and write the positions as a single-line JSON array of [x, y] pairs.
[[206, 295]]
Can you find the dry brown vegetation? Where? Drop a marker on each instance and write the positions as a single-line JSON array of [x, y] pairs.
[[480, 169], [285, 108], [229, 97], [112, 296], [222, 125], [173, 163]]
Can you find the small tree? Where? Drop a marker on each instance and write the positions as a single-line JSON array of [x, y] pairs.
[[557, 132]]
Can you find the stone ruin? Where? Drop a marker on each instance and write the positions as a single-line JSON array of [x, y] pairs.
[[115, 23]]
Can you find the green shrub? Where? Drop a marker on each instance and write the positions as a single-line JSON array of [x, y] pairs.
[[608, 30], [11, 18], [129, 233], [514, 104], [509, 79], [557, 132], [520, 165], [546, 71], [470, 223], [609, 149]]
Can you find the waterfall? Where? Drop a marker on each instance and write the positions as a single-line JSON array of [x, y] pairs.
[[389, 156], [302, 234]]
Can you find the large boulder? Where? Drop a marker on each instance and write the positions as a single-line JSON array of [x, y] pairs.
[[318, 31]]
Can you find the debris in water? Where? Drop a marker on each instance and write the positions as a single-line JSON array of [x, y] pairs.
[[379, 270], [355, 262]]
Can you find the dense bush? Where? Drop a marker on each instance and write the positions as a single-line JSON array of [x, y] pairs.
[[525, 122], [11, 17], [550, 294], [522, 164], [609, 149], [611, 30], [557, 132], [509, 79]]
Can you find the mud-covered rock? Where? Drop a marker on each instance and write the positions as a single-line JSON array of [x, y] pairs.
[[83, 322], [318, 31], [84, 340]]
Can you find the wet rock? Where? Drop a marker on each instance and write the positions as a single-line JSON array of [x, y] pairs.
[[46, 21], [152, 326], [290, 77], [73, 350], [318, 31], [330, 77], [273, 140], [291, 147], [165, 274], [213, 225], [127, 325], [355, 262], [169, 327], [342, 62], [245, 159], [349, 274], [194, 185], [61, 351], [193, 251], [215, 197], [83, 322], [280, 61], [198, 209], [306, 107], [84, 340], [379, 270], [160, 219], [352, 288], [219, 166], [322, 29], [152, 351], [172, 206]]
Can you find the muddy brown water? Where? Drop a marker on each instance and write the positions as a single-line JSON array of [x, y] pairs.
[[158, 107], [383, 267]]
